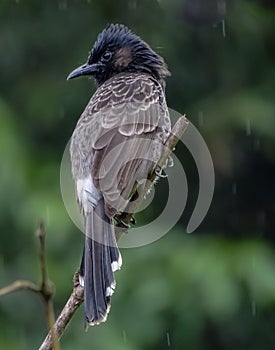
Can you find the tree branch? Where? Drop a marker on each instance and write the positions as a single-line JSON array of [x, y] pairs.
[[45, 289], [76, 298], [19, 285], [73, 303], [176, 133]]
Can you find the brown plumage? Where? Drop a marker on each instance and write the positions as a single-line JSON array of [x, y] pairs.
[[114, 147]]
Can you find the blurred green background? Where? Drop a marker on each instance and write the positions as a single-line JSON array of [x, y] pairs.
[[212, 289]]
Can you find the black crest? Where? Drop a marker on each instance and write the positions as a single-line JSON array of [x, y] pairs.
[[120, 50]]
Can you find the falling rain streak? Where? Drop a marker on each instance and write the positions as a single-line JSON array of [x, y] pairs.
[[234, 188], [124, 336], [168, 339], [62, 5], [200, 119], [253, 308], [223, 28], [257, 144], [248, 127]]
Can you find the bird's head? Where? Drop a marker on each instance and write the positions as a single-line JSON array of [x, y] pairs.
[[118, 50]]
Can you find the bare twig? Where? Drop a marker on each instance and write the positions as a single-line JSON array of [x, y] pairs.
[[76, 298], [45, 289], [19, 285]]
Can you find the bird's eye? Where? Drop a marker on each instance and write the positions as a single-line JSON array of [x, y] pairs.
[[107, 56]]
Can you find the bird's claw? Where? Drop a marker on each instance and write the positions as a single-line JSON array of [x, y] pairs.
[[159, 173], [121, 223], [133, 220]]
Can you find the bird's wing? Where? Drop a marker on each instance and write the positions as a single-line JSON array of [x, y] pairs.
[[130, 112]]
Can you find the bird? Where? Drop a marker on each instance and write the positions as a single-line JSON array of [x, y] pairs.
[[114, 147]]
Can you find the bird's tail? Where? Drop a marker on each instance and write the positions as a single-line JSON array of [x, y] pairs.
[[101, 258]]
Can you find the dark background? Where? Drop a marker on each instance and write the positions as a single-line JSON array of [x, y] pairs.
[[212, 289]]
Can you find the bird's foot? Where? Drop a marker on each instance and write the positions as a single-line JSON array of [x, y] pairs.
[[133, 220], [160, 174], [120, 222]]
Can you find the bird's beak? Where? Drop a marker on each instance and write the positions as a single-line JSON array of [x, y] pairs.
[[85, 69]]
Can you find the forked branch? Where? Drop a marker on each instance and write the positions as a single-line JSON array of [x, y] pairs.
[[45, 289]]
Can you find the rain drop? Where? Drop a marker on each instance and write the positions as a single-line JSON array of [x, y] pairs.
[[223, 28], [261, 218], [62, 5], [168, 339], [248, 127], [256, 144], [234, 188], [124, 336], [61, 113], [253, 308], [132, 5], [200, 119], [48, 215], [253, 262], [221, 7]]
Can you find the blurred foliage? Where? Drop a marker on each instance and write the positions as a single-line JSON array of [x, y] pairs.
[[214, 288]]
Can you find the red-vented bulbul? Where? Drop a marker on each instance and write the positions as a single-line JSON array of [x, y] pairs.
[[114, 147]]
